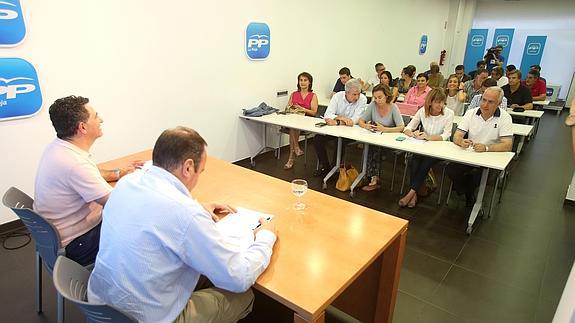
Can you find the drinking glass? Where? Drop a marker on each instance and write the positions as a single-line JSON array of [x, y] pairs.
[[298, 188]]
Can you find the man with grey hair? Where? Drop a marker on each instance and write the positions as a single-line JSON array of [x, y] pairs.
[[488, 129], [157, 240], [343, 109]]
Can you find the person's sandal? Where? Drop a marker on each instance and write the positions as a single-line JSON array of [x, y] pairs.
[[570, 121], [298, 152], [412, 203], [289, 164], [373, 185]]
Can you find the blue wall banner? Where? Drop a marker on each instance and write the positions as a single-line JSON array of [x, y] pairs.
[[12, 28], [20, 95], [475, 50], [257, 41], [532, 53], [504, 37]]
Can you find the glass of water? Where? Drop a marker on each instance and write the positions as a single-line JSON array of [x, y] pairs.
[[298, 188]]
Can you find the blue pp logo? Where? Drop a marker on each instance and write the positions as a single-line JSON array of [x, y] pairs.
[[550, 91], [502, 40], [12, 29], [20, 95], [533, 49], [257, 41], [423, 45], [477, 40]]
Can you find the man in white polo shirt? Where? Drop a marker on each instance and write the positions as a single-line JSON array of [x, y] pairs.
[[344, 108], [70, 190], [489, 129]]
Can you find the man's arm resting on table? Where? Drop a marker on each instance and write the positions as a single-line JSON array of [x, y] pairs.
[[505, 144]]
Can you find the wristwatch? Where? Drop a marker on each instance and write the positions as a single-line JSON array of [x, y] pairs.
[[338, 121], [116, 172], [486, 148]]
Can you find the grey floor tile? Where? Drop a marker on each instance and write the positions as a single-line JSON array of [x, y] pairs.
[[436, 240], [480, 299], [517, 267], [407, 308], [421, 274], [432, 314], [545, 311]]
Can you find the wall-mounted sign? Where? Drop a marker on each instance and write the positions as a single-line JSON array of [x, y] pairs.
[[423, 45], [475, 49], [12, 28], [20, 95], [532, 52], [504, 37], [258, 41]]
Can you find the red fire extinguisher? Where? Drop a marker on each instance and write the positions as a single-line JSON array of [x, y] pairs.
[[442, 57]]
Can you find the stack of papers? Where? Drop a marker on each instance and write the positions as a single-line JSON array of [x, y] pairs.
[[239, 227]]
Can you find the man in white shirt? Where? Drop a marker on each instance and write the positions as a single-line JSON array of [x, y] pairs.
[[344, 108], [476, 101], [70, 190], [374, 79], [489, 129], [157, 240]]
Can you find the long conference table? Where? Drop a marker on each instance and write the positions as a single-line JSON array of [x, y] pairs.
[[443, 150], [332, 253]]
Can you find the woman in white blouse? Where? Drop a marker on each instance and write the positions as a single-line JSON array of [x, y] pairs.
[[433, 122]]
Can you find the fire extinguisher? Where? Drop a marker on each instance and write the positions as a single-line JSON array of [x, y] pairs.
[[442, 57]]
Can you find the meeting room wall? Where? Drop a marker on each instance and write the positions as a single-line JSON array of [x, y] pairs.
[[553, 18], [148, 66]]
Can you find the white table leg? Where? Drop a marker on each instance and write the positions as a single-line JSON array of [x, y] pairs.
[[479, 202], [264, 145], [519, 146], [336, 166], [363, 169]]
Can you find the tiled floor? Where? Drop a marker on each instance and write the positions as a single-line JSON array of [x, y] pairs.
[[511, 269]]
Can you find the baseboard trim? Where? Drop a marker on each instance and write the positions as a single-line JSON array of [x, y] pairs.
[[11, 226]]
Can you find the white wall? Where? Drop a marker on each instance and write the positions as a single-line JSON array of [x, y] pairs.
[[147, 66], [553, 18]]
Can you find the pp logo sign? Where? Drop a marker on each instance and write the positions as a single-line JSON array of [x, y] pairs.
[[533, 49], [423, 45], [477, 40], [257, 41], [502, 40], [12, 29], [550, 91], [20, 95]]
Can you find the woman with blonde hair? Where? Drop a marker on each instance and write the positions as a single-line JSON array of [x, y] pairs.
[[432, 122]]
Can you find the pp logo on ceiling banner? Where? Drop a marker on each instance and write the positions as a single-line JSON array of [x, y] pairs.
[[533, 52], [20, 95], [12, 28], [257, 41]]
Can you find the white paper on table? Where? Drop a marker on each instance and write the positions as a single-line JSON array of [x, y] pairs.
[[238, 228]]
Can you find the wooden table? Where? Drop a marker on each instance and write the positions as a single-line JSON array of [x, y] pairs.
[[334, 252]]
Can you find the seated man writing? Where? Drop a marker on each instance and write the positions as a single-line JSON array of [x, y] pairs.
[[157, 240], [488, 128]]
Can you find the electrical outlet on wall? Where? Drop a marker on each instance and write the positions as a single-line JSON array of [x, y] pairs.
[[281, 93]]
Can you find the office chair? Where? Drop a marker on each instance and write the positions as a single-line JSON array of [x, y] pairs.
[[71, 281], [45, 236]]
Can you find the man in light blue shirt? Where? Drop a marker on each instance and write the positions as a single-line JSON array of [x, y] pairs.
[[156, 241], [476, 101], [344, 109]]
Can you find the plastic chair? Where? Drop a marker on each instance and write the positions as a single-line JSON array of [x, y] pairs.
[[71, 281], [45, 236]]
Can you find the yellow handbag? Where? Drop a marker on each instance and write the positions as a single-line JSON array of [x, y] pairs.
[[347, 174]]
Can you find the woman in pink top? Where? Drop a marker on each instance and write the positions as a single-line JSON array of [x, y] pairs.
[[417, 94], [305, 99]]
